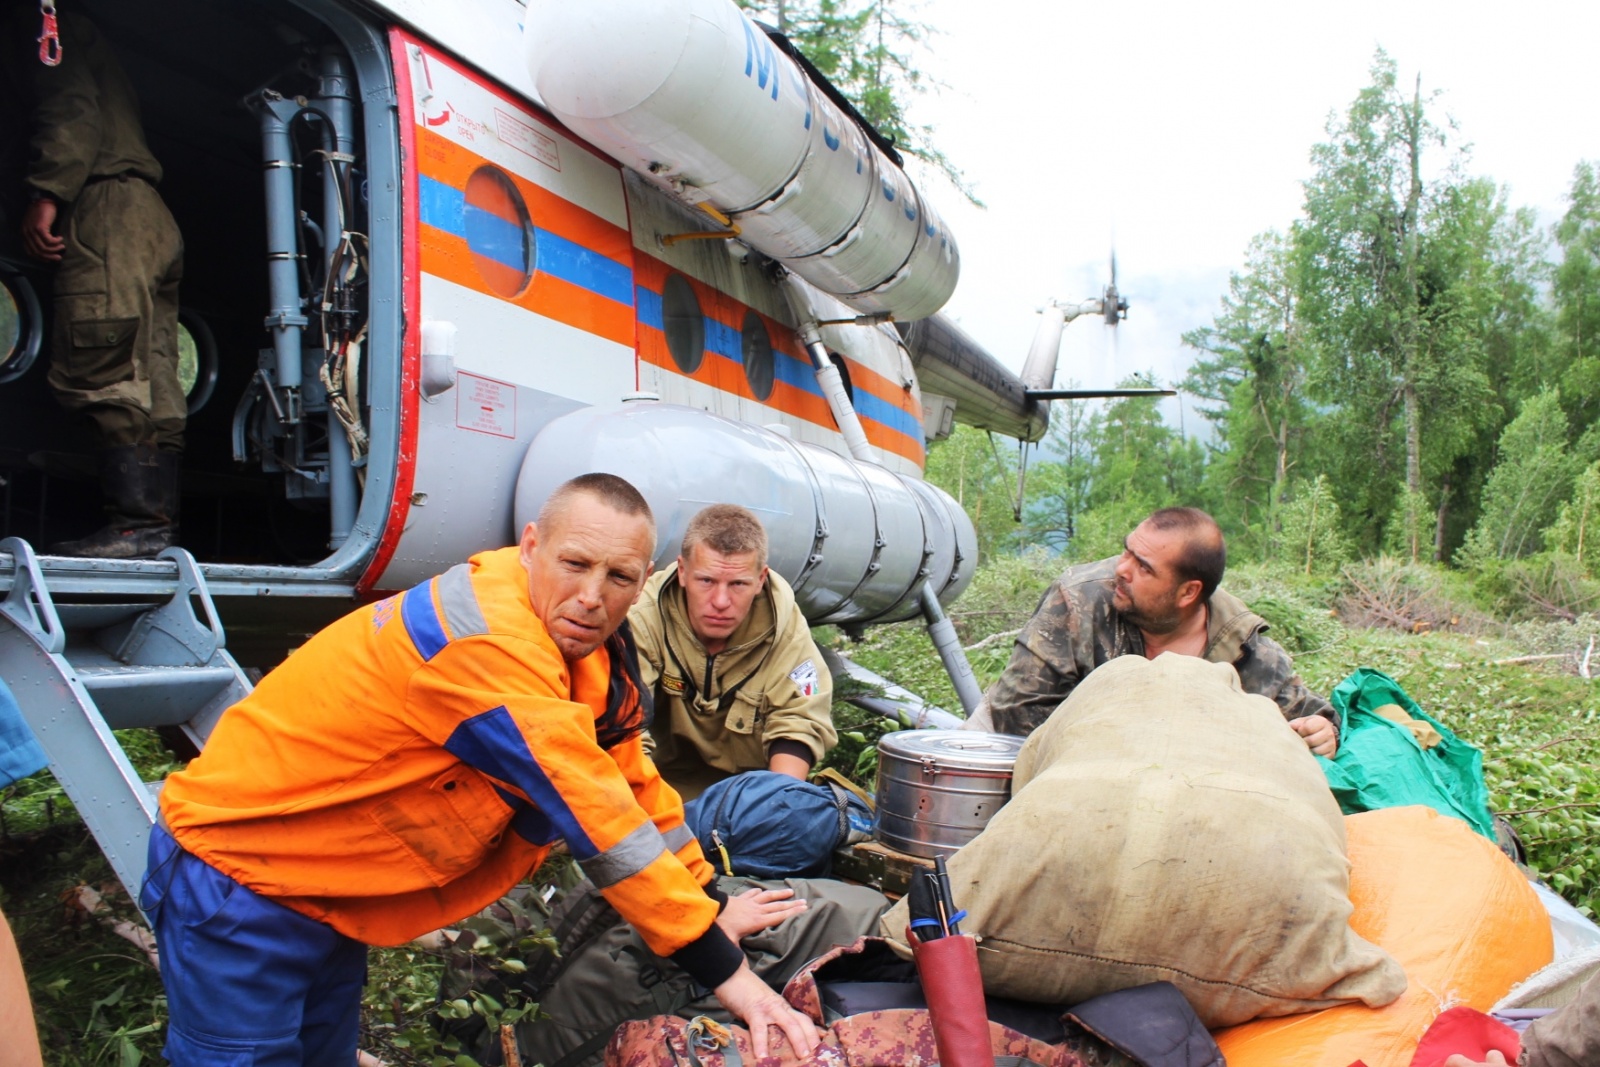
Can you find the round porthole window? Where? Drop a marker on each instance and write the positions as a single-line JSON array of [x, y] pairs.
[[683, 323], [498, 231], [21, 326], [197, 359], [756, 348]]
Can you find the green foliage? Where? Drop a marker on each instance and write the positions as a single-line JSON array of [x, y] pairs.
[[1576, 294], [970, 466], [1409, 533], [1574, 531], [1297, 608], [869, 49], [1309, 537], [1534, 475], [1252, 367]]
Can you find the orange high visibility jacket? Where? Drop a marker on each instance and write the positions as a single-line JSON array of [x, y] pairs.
[[412, 762]]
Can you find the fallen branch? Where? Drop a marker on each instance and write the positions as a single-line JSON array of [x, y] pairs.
[[1583, 668], [88, 901], [992, 639], [1530, 659], [1558, 741], [1553, 807]]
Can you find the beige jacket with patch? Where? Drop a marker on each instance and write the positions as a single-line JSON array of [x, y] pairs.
[[718, 715]]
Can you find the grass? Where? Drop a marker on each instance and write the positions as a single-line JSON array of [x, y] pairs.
[[100, 1003]]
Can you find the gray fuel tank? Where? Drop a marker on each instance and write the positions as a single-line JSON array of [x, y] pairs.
[[854, 539]]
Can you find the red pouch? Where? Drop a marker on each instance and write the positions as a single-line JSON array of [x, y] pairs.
[[953, 986], [1469, 1032]]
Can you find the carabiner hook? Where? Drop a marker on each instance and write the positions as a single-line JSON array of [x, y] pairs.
[[49, 35]]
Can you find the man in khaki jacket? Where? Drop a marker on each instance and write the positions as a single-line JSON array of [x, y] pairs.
[[739, 685]]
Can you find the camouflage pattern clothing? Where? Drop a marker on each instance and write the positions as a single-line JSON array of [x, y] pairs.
[[114, 344], [1075, 629], [716, 716]]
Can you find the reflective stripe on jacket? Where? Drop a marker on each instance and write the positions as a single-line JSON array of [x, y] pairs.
[[413, 761]]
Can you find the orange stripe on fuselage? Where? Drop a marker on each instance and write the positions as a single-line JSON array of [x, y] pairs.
[[448, 256]]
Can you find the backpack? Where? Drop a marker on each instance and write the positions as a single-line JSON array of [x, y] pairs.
[[761, 824]]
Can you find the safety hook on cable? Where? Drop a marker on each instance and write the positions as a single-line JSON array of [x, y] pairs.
[[49, 35]]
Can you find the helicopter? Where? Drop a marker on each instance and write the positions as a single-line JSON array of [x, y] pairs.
[[441, 257]]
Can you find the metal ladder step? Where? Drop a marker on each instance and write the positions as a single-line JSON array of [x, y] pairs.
[[81, 670]]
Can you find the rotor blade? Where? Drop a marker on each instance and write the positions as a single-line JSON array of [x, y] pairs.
[[1092, 394]]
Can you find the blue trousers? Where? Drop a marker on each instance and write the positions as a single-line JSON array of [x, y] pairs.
[[250, 983]]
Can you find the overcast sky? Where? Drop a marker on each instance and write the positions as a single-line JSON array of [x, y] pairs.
[[1182, 130]]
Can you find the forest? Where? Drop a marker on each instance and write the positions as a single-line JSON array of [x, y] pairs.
[[1408, 370]]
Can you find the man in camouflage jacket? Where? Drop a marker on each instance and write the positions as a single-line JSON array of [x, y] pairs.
[[1159, 596]]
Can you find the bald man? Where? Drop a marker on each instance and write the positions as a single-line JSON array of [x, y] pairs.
[[410, 764], [1160, 595]]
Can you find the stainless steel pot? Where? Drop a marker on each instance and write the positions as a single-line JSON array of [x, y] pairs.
[[937, 789]]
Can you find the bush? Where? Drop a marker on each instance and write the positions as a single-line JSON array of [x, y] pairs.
[[1297, 610], [1410, 597]]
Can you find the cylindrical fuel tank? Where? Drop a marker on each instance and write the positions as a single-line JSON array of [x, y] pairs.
[[938, 789], [696, 97], [854, 539]]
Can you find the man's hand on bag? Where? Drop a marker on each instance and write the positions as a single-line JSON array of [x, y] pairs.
[[1320, 735], [1495, 1060], [38, 231], [757, 909], [751, 999]]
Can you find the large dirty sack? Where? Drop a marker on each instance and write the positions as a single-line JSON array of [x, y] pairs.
[[1450, 907], [1165, 825]]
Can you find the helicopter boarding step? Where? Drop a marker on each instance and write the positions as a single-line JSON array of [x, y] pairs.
[[83, 666]]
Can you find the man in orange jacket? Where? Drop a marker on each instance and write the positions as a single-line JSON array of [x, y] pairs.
[[410, 764]]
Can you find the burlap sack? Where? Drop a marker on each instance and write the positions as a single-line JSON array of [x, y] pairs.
[[1166, 825]]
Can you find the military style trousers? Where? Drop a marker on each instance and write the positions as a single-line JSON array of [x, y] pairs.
[[114, 349]]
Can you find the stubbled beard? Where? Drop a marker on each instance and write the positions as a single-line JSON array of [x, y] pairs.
[[1151, 622]]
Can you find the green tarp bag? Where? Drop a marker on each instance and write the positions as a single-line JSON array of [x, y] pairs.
[[1381, 764]]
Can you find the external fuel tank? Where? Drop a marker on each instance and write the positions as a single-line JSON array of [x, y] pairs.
[[855, 540], [696, 97]]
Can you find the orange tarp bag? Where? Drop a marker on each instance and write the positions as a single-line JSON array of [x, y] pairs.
[[1443, 901]]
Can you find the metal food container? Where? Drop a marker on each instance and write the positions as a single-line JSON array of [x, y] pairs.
[[937, 789]]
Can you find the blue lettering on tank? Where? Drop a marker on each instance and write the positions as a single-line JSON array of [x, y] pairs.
[[759, 56], [931, 231], [829, 138], [888, 191], [911, 213]]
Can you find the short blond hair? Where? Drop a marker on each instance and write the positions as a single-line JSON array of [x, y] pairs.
[[727, 529]]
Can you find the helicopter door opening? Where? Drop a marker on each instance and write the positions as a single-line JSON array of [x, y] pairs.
[[260, 114]]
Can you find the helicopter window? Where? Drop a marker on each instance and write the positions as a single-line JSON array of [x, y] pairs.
[[499, 231], [20, 327], [197, 359], [683, 323], [10, 326], [757, 352]]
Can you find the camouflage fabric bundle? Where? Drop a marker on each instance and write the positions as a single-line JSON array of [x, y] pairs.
[[892, 1038], [591, 971]]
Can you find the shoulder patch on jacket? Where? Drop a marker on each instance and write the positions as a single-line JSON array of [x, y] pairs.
[[671, 684], [805, 677]]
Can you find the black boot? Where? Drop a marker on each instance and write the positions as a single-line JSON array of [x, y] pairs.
[[140, 485]]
